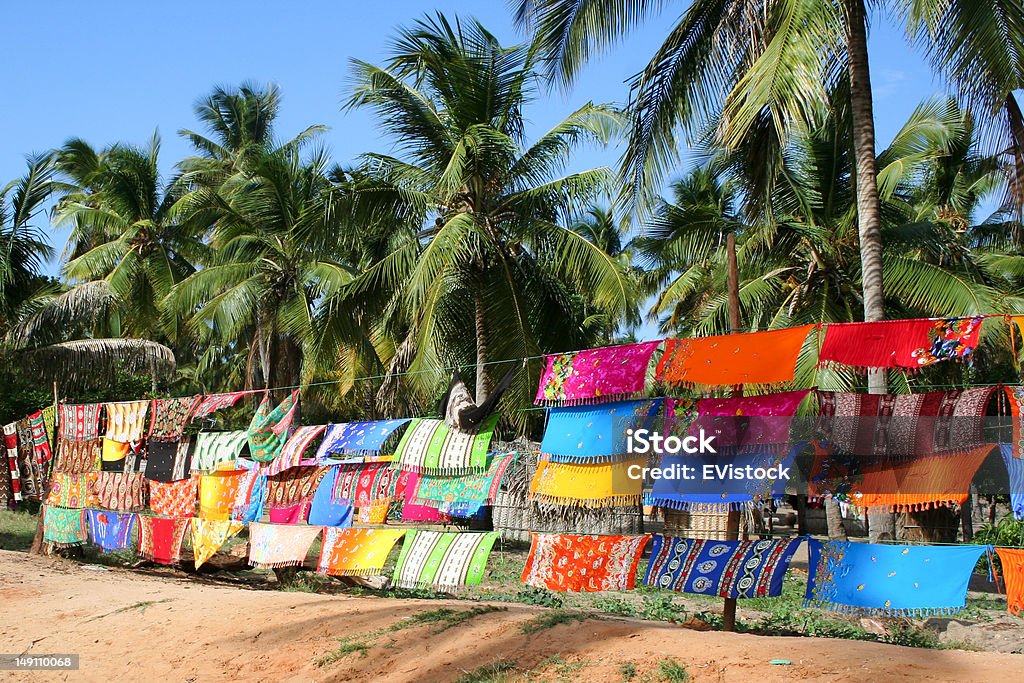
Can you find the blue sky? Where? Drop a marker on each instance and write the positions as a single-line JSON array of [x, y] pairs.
[[121, 70]]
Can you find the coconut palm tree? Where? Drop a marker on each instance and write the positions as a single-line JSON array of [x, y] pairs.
[[490, 271]]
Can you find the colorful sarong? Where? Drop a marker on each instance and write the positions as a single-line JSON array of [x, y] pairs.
[[293, 486], [217, 493], [269, 428], [274, 545], [1012, 561], [214, 448], [356, 552], [405, 491], [214, 402], [69, 490], [160, 538], [1016, 401], [50, 424], [127, 421], [208, 535], [11, 448], [121, 491], [113, 455], [1015, 473], [248, 505], [174, 498], [33, 472], [293, 514], [729, 569], [469, 489], [594, 486], [78, 457], [324, 511], [294, 448], [903, 425], [365, 485], [907, 344], [170, 416], [611, 373], [40, 445], [748, 422], [171, 460], [430, 447], [63, 527], [110, 530], [80, 422], [567, 562], [891, 580], [765, 358], [442, 561], [593, 434], [358, 438]]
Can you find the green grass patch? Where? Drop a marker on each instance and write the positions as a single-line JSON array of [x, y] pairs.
[[498, 671], [344, 649], [673, 671], [547, 620], [445, 618], [628, 671], [306, 582], [17, 529]]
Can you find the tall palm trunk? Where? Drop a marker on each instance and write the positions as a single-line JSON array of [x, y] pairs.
[[481, 349], [868, 205], [1016, 121]]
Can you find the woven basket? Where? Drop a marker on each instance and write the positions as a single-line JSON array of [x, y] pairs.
[[711, 526]]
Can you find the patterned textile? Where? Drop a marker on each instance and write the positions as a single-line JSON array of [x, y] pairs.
[[160, 538], [80, 422], [214, 402], [40, 444], [174, 498], [593, 434], [405, 491], [170, 415], [248, 505], [294, 448], [33, 472], [1016, 400], [69, 490], [442, 561], [728, 569], [897, 484], [208, 535], [1012, 560], [375, 513], [114, 452], [78, 457], [907, 344], [324, 511], [903, 425], [1015, 472], [713, 490], [567, 562], [358, 438], [356, 552], [214, 448], [748, 422], [293, 514], [121, 491], [127, 421], [6, 493], [217, 493], [894, 580], [63, 527], [363, 485], [110, 530], [273, 545], [430, 447], [293, 486], [269, 428], [11, 448], [610, 373], [171, 460], [764, 358], [469, 488], [594, 486], [50, 423]]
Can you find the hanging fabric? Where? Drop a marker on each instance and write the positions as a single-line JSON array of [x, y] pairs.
[[273, 545], [611, 373], [11, 448], [430, 447], [595, 434], [218, 449], [209, 535], [1015, 395], [120, 491], [365, 485], [358, 439], [63, 527], [889, 580], [80, 422], [356, 552], [250, 496], [728, 569], [766, 359], [469, 489], [905, 344], [78, 457], [160, 538], [217, 492], [592, 486], [1012, 561], [405, 491], [170, 416], [110, 531], [293, 486], [69, 490], [747, 422], [1015, 473], [294, 448], [324, 511], [126, 421], [41, 451], [211, 403], [567, 562], [270, 427], [443, 561], [174, 498], [33, 473]]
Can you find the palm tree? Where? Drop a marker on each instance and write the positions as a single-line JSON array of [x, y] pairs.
[[488, 252]]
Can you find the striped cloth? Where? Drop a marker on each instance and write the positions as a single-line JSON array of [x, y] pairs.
[[442, 560], [126, 421], [294, 448], [429, 446], [213, 448]]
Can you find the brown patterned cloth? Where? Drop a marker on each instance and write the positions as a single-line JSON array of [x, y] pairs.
[[121, 491], [78, 457], [170, 416], [293, 486]]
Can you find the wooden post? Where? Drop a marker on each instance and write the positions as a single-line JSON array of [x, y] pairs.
[[732, 524]]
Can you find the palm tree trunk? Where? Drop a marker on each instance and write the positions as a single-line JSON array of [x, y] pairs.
[[482, 387], [1016, 121], [834, 520], [868, 205]]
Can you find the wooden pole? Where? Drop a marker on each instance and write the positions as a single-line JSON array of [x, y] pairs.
[[732, 524]]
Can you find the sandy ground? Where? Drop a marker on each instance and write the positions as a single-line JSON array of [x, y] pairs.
[[163, 626]]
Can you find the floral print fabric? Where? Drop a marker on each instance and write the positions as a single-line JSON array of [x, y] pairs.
[[567, 562], [595, 375]]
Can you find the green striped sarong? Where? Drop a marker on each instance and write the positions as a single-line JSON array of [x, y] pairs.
[[429, 446], [444, 561]]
